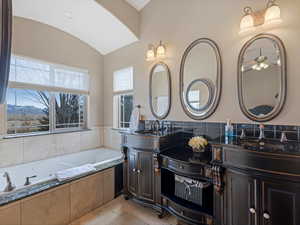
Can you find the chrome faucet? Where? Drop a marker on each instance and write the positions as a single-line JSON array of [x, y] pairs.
[[283, 138], [9, 186], [156, 125], [27, 182], [261, 132]]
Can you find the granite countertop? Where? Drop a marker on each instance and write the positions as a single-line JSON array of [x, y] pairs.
[[26, 192], [267, 145], [186, 155], [149, 133]]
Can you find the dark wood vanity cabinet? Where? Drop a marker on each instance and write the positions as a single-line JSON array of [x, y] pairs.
[[280, 202], [140, 174], [242, 199], [256, 197]]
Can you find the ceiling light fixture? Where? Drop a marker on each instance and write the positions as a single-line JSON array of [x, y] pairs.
[[260, 62], [252, 19]]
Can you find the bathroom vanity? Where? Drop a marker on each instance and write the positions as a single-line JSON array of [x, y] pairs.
[[142, 174], [249, 182], [262, 185]]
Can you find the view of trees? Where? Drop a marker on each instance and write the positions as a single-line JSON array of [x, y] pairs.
[[35, 117]]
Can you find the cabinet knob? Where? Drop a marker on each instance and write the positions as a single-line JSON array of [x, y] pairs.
[[267, 216], [252, 210]]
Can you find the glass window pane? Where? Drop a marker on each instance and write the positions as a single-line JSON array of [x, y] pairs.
[[32, 76], [27, 111], [69, 110], [123, 79], [126, 107], [34, 72]]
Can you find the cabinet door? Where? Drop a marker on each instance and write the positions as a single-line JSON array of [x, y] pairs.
[[241, 199], [132, 172], [146, 175], [280, 203]]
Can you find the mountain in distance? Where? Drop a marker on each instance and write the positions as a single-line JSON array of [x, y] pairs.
[[24, 110]]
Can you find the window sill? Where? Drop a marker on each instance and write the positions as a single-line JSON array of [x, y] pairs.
[[121, 129], [44, 133]]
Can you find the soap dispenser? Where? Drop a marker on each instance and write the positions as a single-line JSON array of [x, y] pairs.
[[228, 132]]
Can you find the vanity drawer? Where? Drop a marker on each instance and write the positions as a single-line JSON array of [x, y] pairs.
[[188, 215], [281, 164], [192, 170], [140, 142]]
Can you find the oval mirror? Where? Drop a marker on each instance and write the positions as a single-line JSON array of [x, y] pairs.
[[200, 79], [262, 77], [160, 90]]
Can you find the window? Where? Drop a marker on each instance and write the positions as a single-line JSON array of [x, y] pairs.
[[45, 98], [26, 111], [123, 97]]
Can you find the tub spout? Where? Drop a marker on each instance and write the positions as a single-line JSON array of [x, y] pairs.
[[9, 186]]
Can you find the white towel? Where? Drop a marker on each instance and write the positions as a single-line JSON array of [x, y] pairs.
[[74, 172]]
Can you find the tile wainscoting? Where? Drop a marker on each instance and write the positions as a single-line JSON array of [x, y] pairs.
[[111, 138], [27, 149]]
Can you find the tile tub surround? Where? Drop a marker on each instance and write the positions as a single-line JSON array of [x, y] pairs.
[[216, 131], [63, 204], [6, 198], [21, 150]]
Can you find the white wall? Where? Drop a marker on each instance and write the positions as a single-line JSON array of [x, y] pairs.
[[178, 23]]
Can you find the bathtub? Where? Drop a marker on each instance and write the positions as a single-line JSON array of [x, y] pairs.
[[45, 170]]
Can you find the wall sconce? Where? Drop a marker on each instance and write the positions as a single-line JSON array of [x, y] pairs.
[[252, 19], [153, 53]]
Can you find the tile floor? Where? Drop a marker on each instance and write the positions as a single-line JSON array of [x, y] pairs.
[[122, 212]]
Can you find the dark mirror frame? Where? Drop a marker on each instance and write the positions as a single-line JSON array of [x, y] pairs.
[[169, 91], [218, 85], [283, 78]]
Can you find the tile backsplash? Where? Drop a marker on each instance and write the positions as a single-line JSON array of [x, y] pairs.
[[215, 131]]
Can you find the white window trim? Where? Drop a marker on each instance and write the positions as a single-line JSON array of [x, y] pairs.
[[116, 115]]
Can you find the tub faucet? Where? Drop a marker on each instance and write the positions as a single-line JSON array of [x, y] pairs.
[[9, 186], [27, 182]]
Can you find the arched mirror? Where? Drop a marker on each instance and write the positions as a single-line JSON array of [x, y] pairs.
[[160, 90], [200, 79], [262, 77]]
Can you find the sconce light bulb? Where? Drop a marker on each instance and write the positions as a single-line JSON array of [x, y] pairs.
[[161, 51], [273, 14], [150, 53]]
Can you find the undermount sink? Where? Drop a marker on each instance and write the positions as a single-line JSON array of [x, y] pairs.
[[263, 144], [146, 132]]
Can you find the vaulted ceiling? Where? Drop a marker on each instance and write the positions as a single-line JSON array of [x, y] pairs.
[[138, 4], [85, 19]]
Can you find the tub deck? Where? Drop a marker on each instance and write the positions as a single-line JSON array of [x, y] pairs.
[[101, 158]]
